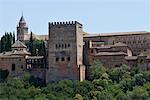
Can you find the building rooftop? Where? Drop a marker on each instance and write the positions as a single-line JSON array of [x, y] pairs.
[[22, 52], [35, 57], [43, 37], [110, 53], [120, 44], [148, 57], [18, 44], [131, 57], [10, 56], [14, 53], [22, 20], [117, 33]]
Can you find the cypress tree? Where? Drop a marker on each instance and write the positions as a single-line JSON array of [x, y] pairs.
[[13, 37], [6, 42], [31, 43]]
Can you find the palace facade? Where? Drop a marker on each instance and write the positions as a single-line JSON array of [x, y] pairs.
[[71, 51]]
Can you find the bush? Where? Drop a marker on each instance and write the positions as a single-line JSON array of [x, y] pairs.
[[3, 74]]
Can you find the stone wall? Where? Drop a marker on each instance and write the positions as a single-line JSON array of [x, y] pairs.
[[15, 65], [138, 42], [65, 50]]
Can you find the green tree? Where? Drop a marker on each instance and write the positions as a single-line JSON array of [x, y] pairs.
[[3, 74], [100, 84], [36, 47], [6, 41], [139, 79], [78, 97], [30, 44], [146, 86], [116, 74], [138, 93], [127, 84], [13, 37], [121, 96], [130, 85], [96, 70], [146, 75]]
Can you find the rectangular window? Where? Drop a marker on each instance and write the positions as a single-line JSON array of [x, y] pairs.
[[68, 58], [92, 51], [62, 59], [56, 46], [13, 67], [57, 59], [68, 45], [65, 45]]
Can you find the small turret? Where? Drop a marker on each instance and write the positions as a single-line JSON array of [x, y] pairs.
[[22, 29], [22, 22]]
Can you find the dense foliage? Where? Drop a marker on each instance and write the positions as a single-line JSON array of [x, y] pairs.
[[3, 75], [36, 47], [6, 41], [119, 83]]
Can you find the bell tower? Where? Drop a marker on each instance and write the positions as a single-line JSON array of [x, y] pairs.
[[22, 29]]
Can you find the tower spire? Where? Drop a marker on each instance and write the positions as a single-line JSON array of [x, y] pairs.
[[22, 17], [22, 29], [22, 13]]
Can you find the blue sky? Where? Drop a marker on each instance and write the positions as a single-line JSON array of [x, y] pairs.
[[97, 16]]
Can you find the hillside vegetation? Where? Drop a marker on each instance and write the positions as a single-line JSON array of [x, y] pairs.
[[119, 83]]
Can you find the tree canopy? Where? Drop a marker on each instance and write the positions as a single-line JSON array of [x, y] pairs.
[[6, 41], [105, 84], [36, 47]]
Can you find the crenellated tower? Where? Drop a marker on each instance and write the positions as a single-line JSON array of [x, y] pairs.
[[65, 53], [22, 29]]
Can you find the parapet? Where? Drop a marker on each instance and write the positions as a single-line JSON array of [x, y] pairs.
[[64, 23]]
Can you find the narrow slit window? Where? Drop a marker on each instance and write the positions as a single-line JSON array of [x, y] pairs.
[[13, 67], [68, 58], [65, 46], [56, 46], [59, 45], [68, 45], [62, 59], [57, 59]]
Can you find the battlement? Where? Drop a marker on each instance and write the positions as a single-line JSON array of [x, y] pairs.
[[64, 23]]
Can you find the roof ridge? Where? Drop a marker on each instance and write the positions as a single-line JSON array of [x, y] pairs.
[[18, 44]]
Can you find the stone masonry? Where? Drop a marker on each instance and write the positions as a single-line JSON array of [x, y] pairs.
[[65, 54]]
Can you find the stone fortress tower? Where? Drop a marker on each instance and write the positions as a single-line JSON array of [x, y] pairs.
[[22, 29], [65, 55]]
